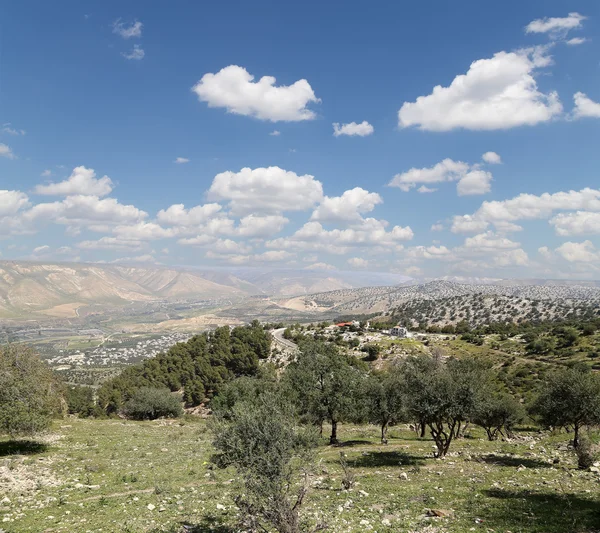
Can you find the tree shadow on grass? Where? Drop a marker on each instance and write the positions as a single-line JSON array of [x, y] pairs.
[[350, 443], [379, 459], [209, 524], [22, 447], [540, 512], [506, 460]]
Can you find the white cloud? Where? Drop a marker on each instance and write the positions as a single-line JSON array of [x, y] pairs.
[[475, 182], [437, 227], [81, 181], [358, 262], [446, 170], [136, 53], [275, 133], [319, 266], [353, 129], [127, 31], [578, 223], [507, 258], [555, 26], [181, 160], [41, 249], [274, 256], [492, 158], [489, 241], [257, 226], [234, 89], [227, 246], [46, 174], [471, 179], [585, 107], [268, 190], [178, 215], [12, 201], [504, 213], [7, 128], [575, 252], [5, 151], [145, 258], [370, 233], [111, 243], [144, 231], [495, 93], [84, 211], [346, 208], [576, 41]]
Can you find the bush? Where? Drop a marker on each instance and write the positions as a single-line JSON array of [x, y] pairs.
[[29, 393], [270, 452], [586, 454], [149, 404]]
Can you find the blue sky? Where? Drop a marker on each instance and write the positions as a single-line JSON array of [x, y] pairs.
[[122, 90]]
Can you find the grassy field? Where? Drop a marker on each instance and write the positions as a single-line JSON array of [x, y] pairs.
[[123, 476]]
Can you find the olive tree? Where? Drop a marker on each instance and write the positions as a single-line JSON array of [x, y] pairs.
[[273, 456], [570, 398], [498, 414], [29, 393], [384, 400], [325, 385]]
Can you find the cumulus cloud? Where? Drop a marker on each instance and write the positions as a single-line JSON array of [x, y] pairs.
[[81, 181], [358, 262], [349, 207], [474, 182], [353, 129], [233, 88], [555, 26], [503, 214], [261, 226], [578, 223], [370, 233], [127, 31], [585, 107], [576, 41], [111, 243], [579, 252], [446, 170], [267, 190], [136, 53], [144, 231], [5, 151], [492, 158], [319, 266], [178, 215], [12, 201], [489, 241], [471, 179], [495, 93]]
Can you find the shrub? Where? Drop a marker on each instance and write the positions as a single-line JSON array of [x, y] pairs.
[[29, 393], [271, 453], [149, 404], [586, 454]]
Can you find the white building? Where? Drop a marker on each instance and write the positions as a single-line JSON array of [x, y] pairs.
[[399, 331]]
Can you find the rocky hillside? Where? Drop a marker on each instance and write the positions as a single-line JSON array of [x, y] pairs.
[[444, 302]]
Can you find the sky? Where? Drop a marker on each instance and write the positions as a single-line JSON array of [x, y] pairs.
[[424, 138]]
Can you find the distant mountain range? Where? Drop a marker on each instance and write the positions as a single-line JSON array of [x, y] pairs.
[[31, 287]]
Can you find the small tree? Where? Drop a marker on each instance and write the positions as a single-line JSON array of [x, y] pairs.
[[272, 456], [29, 392], [324, 385], [443, 396], [570, 398], [498, 414], [384, 400], [148, 403]]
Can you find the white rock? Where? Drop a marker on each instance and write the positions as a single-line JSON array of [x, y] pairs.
[[151, 507]]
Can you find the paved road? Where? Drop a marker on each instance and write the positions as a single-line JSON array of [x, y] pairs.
[[278, 336]]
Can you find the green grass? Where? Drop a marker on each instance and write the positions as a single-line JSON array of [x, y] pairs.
[[101, 475]]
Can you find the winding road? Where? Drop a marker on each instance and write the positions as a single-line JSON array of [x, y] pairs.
[[278, 337]]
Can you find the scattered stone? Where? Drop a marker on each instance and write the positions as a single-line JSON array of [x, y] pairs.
[[151, 507], [441, 513]]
